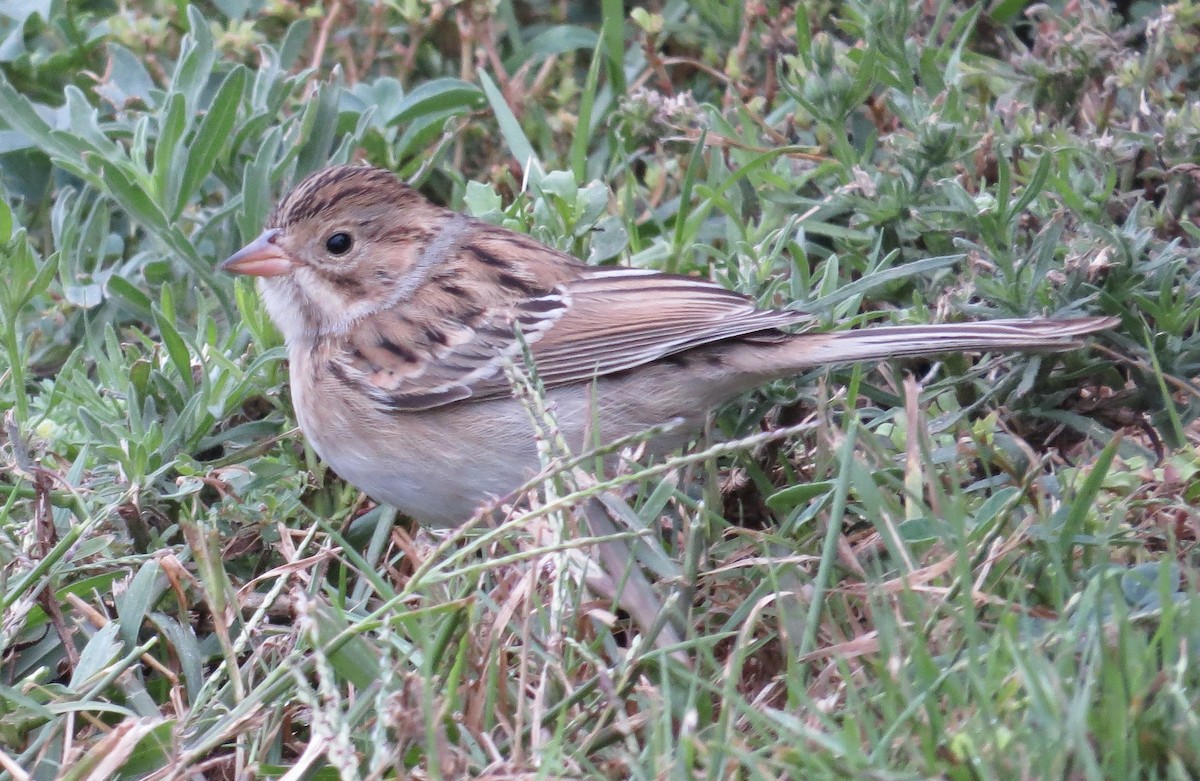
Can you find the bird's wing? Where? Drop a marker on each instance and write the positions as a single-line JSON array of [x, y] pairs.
[[623, 318], [602, 321]]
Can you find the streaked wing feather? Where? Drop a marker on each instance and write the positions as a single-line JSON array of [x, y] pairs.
[[470, 355], [605, 321], [618, 322]]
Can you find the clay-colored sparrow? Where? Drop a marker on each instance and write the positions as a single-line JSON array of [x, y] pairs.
[[400, 317]]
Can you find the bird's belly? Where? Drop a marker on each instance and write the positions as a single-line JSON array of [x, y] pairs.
[[438, 466], [438, 495]]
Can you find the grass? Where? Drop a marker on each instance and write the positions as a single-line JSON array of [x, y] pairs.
[[966, 569]]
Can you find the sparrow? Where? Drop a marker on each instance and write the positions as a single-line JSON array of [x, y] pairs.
[[403, 321]]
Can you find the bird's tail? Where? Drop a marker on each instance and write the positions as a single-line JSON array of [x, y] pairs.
[[881, 342]]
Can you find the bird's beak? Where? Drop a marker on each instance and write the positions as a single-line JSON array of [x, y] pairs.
[[260, 258]]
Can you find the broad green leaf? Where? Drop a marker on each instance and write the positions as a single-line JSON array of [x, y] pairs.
[[194, 67], [786, 499], [211, 137], [562, 38], [438, 97], [136, 601], [175, 346], [97, 654], [510, 128], [169, 155]]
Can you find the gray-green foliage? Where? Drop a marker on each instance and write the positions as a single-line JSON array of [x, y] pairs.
[[998, 586]]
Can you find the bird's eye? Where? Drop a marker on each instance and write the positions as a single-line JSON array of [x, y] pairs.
[[339, 243]]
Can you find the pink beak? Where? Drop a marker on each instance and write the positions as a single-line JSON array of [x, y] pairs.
[[260, 258]]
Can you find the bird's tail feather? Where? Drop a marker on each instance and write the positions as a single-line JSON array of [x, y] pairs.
[[878, 343]]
